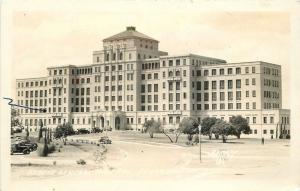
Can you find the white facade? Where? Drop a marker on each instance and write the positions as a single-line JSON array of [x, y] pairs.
[[131, 81]]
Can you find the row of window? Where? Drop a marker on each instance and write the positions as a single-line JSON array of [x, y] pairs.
[[271, 106], [271, 94], [32, 84], [271, 83], [81, 80], [149, 76], [271, 71], [152, 65], [83, 91]]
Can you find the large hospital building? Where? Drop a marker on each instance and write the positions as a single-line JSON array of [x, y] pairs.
[[131, 81]]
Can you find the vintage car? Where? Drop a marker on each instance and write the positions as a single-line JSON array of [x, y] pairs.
[[105, 140], [82, 131], [32, 146], [17, 147]]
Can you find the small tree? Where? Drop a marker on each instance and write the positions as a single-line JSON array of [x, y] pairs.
[[45, 148], [240, 124], [27, 133], [224, 129], [206, 124], [40, 130], [152, 127], [189, 126], [64, 130]]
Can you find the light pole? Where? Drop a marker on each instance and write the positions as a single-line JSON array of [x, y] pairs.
[[200, 141]]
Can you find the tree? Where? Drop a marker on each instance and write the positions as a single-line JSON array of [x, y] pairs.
[[206, 124], [189, 126], [15, 117], [27, 133], [40, 130], [152, 127], [223, 129], [64, 130], [240, 124], [45, 148]]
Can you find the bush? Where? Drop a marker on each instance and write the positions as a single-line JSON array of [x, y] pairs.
[[81, 162], [43, 152], [196, 139], [52, 148], [288, 136]]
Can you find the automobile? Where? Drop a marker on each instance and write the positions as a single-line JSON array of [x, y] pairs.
[[32, 146], [82, 131], [97, 130], [17, 147], [105, 140]]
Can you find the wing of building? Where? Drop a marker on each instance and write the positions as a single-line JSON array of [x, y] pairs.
[[131, 81]]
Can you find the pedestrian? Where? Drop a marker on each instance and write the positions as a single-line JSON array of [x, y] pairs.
[[263, 141]]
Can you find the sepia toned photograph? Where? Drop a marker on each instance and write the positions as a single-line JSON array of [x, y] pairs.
[[149, 95]]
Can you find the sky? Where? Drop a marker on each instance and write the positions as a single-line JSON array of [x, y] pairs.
[[45, 37]]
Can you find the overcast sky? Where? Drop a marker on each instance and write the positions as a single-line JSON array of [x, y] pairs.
[[43, 38]]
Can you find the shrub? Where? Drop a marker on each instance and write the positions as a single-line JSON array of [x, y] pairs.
[[52, 148], [288, 136], [43, 152], [81, 162]]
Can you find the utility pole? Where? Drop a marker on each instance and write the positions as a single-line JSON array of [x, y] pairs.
[[200, 142]]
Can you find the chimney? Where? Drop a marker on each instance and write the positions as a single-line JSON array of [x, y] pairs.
[[130, 28]]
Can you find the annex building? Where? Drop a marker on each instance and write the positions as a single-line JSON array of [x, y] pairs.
[[131, 81]]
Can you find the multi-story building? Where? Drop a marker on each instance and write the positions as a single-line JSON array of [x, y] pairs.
[[131, 81]]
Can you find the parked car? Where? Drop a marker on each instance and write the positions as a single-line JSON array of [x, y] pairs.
[[97, 130], [105, 140], [17, 147], [32, 146], [82, 131]]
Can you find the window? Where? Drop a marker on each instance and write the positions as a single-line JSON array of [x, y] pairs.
[[247, 70], [222, 96], [253, 93], [155, 87], [222, 84], [238, 95], [230, 96], [254, 105], [265, 120], [253, 69], [238, 106], [177, 85], [198, 85], [170, 86], [149, 87], [230, 105], [206, 85], [170, 97], [229, 84], [221, 71], [214, 85], [238, 83], [206, 97], [272, 121], [229, 71], [214, 96], [238, 71], [206, 72], [214, 72], [254, 120], [222, 106], [253, 81]]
